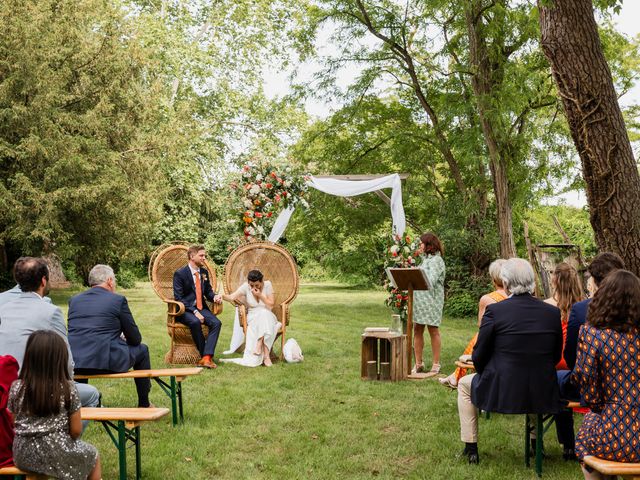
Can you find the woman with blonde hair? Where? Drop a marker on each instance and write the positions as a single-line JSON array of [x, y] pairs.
[[567, 290], [496, 296]]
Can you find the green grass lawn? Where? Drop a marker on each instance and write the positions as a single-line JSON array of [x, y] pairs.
[[316, 419]]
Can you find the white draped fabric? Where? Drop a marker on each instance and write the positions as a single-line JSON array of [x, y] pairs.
[[351, 188], [340, 188]]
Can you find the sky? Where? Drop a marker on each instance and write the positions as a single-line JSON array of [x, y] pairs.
[[277, 83]]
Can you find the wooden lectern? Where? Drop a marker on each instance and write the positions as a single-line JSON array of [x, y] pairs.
[[409, 279]]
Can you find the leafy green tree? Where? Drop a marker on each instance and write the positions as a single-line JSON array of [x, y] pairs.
[[571, 41], [77, 140]]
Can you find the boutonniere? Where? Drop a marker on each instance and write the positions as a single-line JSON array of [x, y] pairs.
[[204, 277]]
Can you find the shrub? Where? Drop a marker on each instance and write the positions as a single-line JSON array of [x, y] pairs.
[[126, 278]]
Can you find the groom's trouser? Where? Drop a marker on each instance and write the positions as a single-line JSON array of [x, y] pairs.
[[205, 346]]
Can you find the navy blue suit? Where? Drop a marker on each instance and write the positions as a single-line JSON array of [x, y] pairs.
[[577, 318], [518, 346], [98, 321], [184, 290]]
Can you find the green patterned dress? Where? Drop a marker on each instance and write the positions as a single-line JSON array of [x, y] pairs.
[[427, 304]]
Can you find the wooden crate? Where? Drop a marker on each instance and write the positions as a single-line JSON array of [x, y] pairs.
[[385, 347]]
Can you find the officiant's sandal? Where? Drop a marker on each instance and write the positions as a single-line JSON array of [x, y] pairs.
[[435, 368], [418, 368]]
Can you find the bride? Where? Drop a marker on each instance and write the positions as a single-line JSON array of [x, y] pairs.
[[262, 325]]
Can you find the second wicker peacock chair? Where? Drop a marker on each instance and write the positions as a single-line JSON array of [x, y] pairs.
[[164, 261], [277, 265]]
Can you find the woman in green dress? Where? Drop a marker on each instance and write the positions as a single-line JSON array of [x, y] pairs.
[[427, 306]]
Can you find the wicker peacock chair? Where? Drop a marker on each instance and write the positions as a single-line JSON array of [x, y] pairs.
[[165, 260], [277, 265]]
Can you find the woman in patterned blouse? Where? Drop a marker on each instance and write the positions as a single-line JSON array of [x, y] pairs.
[[608, 372], [428, 304]]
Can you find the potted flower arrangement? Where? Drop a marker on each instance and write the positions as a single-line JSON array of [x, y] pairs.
[[402, 252], [266, 189]]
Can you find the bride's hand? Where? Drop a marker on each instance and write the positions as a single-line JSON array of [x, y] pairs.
[[256, 292]]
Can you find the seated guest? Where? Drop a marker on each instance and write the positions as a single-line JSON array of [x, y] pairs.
[[21, 317], [602, 264], [496, 296], [262, 325], [15, 292], [608, 372], [191, 286], [567, 290], [519, 344], [103, 335], [8, 374]]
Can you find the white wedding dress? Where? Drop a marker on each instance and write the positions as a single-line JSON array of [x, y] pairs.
[[261, 322]]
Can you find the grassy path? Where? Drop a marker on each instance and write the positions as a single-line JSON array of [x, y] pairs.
[[314, 420]]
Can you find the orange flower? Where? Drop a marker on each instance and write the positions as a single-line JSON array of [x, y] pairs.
[[247, 219], [256, 202]]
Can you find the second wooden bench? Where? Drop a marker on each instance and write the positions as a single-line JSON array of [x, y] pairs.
[[173, 388]]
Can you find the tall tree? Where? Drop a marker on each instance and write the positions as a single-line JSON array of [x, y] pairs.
[[570, 41], [477, 88]]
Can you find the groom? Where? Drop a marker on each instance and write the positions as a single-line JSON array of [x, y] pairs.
[[191, 286]]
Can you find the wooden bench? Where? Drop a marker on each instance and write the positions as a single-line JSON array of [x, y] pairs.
[[122, 425], [542, 424], [18, 474], [173, 389], [628, 471]]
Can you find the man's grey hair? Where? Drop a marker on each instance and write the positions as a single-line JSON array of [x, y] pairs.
[[518, 277], [100, 274], [494, 270]]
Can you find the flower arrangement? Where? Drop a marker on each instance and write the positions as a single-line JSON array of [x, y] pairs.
[[265, 190], [402, 252]]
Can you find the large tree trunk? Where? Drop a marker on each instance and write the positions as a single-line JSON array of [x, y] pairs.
[[571, 43], [482, 84]]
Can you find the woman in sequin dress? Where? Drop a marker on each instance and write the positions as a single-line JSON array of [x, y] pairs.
[[608, 373], [46, 409], [428, 304]]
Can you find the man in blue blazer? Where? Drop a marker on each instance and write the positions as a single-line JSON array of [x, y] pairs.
[[191, 286], [602, 264], [103, 335], [518, 346]]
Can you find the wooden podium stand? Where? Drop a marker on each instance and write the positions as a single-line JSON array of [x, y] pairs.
[[409, 279]]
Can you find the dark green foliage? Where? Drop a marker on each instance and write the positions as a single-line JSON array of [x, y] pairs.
[[126, 278]]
